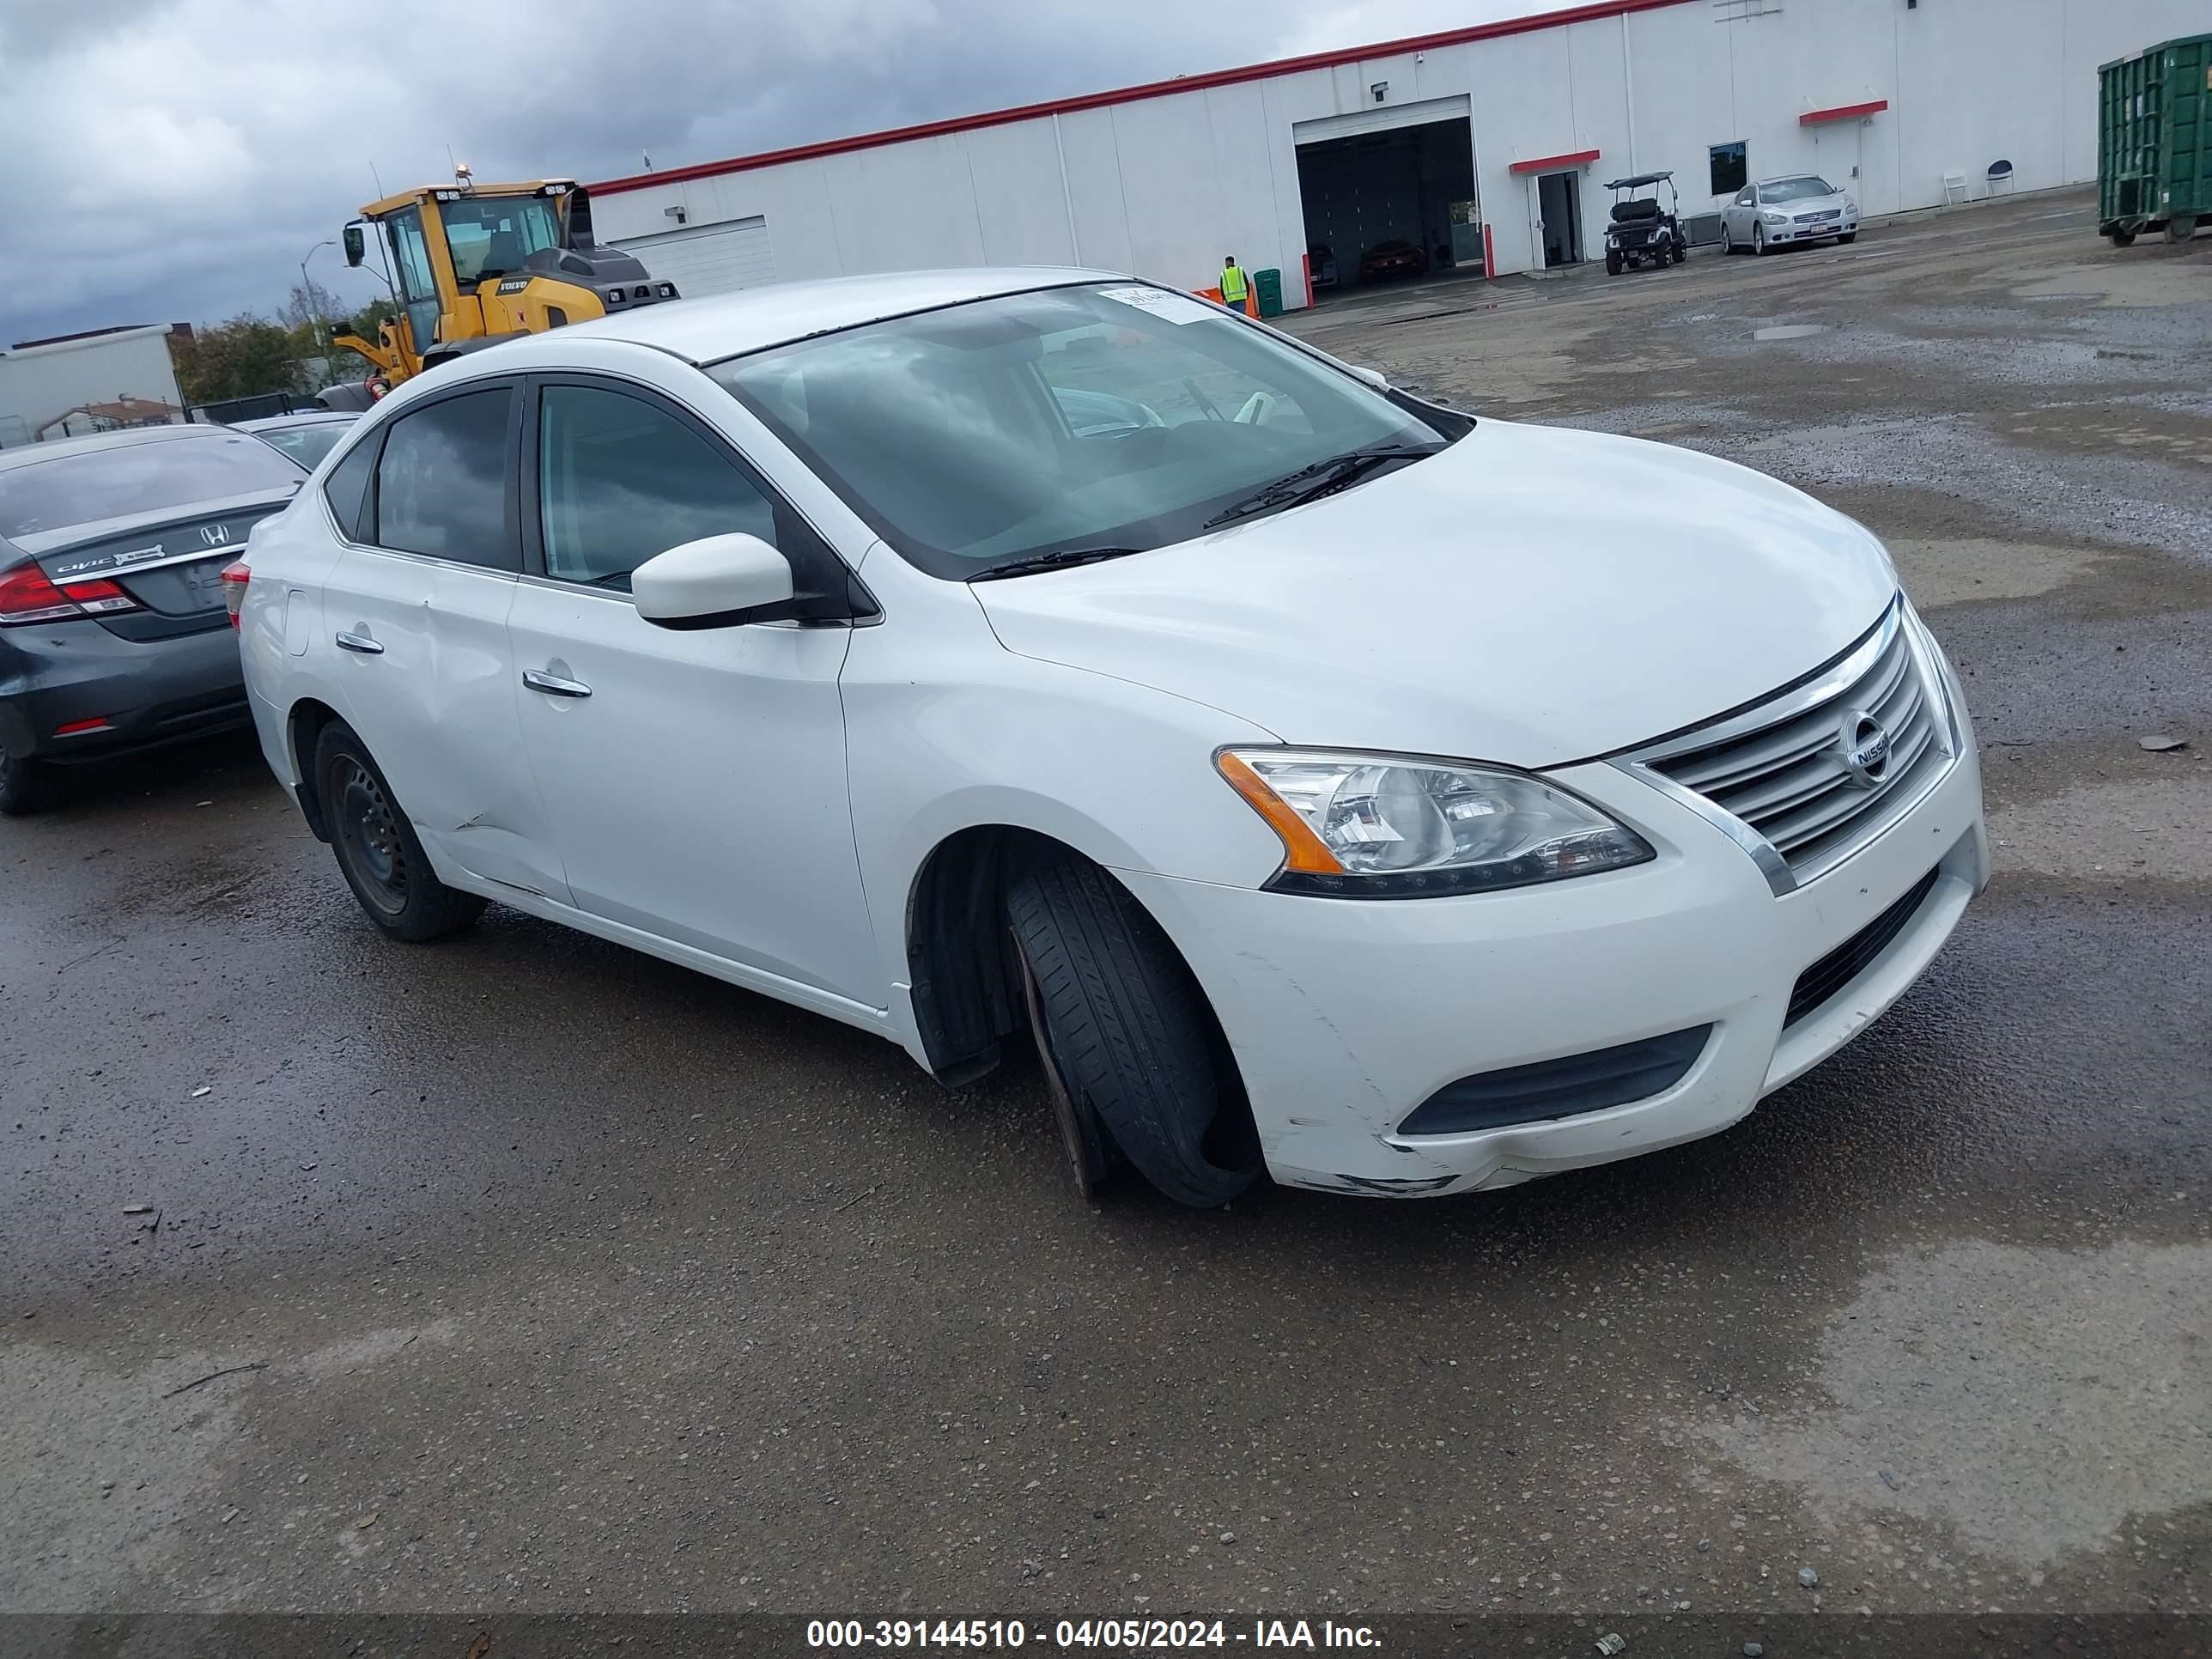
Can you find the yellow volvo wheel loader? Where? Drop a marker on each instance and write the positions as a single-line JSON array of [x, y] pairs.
[[472, 264]]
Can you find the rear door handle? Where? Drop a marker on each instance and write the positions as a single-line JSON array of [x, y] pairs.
[[553, 685], [360, 642]]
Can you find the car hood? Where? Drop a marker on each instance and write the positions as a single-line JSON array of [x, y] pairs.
[[1812, 204], [1533, 595]]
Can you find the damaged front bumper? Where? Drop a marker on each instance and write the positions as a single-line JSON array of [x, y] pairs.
[[1344, 1016]]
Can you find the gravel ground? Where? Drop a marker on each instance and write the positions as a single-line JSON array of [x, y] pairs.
[[526, 1274]]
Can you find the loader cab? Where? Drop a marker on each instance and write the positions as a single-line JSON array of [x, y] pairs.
[[472, 264], [446, 243]]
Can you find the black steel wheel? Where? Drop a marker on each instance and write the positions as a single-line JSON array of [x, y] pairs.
[[377, 849]]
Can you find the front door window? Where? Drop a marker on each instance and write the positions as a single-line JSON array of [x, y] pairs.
[[418, 285]]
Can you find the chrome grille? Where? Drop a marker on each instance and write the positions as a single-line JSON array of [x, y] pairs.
[[1785, 772]]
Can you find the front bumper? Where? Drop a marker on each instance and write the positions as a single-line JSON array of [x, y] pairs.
[[1819, 233], [1344, 1016], [147, 692]]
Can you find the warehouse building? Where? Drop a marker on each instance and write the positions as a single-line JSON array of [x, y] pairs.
[[1486, 147], [94, 382]]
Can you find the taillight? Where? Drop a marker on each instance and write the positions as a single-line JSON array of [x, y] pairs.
[[236, 576], [27, 596], [100, 594]]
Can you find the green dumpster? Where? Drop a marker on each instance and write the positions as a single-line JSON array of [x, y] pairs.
[[2154, 141], [1269, 285]]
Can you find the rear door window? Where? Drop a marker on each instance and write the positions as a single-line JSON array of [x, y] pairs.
[[347, 491], [442, 482]]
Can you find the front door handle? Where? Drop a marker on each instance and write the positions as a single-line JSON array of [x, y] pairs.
[[360, 642], [553, 685]]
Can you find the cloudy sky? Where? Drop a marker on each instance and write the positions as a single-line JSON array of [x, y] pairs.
[[174, 160]]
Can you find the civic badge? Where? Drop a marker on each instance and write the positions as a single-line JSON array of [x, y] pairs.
[[1865, 748]]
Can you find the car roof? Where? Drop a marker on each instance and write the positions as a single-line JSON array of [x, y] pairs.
[[30, 454], [1785, 178], [706, 330], [297, 417]]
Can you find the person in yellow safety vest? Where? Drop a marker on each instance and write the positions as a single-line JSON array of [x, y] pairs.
[[1233, 285]]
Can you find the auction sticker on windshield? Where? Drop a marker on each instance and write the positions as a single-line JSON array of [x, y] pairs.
[[1168, 307]]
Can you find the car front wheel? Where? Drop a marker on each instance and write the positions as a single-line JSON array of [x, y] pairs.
[[1758, 240], [377, 849], [1127, 1035], [1847, 239]]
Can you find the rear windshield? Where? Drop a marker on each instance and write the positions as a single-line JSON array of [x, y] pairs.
[[130, 479], [307, 444], [1796, 190]]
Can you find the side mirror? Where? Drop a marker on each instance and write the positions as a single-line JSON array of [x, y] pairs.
[[717, 581], [357, 245]]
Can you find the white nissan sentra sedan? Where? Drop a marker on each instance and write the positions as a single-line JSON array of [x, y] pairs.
[[1337, 787]]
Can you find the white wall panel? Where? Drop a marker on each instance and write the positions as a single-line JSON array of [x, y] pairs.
[[1094, 185], [1017, 192]]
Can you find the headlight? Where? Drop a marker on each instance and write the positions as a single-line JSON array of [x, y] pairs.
[[1383, 826], [1776, 218]]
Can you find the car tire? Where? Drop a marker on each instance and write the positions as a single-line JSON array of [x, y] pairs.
[[26, 786], [1847, 239], [1128, 1034], [1612, 265], [1758, 241], [2122, 238], [1727, 238], [377, 849]]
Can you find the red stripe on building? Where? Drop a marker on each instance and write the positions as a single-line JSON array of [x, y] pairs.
[[1553, 163], [1584, 14], [1813, 118]]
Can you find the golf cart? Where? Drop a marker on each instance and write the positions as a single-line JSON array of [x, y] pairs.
[[1642, 231]]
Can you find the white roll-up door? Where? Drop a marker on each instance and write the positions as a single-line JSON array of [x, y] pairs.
[[703, 259]]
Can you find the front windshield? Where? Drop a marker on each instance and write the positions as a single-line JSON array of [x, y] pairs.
[[1796, 190], [128, 479], [1115, 417], [491, 236]]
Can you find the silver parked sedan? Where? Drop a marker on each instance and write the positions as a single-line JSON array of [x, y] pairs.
[[1775, 212]]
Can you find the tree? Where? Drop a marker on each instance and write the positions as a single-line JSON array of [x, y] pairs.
[[245, 357], [310, 306]]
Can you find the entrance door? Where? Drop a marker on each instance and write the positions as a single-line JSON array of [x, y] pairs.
[[1836, 151], [1559, 212]]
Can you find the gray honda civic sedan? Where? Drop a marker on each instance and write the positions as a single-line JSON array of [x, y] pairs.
[[114, 634]]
